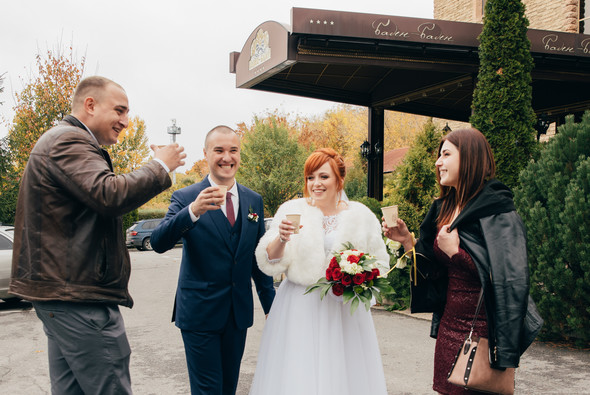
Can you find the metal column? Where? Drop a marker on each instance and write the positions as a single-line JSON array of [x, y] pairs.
[[375, 159]]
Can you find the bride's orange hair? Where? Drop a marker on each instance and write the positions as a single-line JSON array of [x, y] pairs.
[[317, 159]]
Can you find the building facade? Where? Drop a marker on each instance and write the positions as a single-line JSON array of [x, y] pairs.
[[560, 15]]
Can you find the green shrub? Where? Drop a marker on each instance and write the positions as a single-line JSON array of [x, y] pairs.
[[413, 188], [152, 213], [129, 219], [553, 199], [399, 279], [414, 185]]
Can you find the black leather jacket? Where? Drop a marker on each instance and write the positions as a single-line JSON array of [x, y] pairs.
[[493, 234]]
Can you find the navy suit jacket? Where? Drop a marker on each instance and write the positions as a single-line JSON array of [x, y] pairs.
[[213, 278]]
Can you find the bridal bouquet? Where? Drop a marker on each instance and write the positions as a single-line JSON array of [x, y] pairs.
[[353, 275]]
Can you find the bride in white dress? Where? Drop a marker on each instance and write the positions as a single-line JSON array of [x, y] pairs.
[[312, 346]]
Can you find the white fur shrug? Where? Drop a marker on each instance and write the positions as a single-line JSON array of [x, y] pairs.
[[304, 261]]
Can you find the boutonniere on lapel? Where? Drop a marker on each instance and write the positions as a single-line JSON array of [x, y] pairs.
[[252, 216]]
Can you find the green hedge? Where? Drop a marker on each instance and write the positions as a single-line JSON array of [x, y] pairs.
[[553, 199], [152, 213]]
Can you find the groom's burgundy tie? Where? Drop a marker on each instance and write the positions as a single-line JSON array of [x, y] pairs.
[[229, 207]]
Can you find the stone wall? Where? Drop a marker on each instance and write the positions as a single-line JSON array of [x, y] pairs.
[[455, 10], [560, 15]]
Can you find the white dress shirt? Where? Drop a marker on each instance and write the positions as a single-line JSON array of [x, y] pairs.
[[235, 198]]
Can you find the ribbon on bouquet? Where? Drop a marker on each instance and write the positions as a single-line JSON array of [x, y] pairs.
[[400, 264]]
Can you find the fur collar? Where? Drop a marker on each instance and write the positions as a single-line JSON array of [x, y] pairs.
[[305, 261]]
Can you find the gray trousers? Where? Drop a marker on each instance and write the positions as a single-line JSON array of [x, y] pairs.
[[87, 348]]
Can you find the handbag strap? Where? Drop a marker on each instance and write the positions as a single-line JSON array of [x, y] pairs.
[[479, 302]]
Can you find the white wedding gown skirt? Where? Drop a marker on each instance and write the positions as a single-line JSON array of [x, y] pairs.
[[311, 346]]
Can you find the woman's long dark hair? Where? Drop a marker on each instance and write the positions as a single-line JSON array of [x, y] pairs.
[[476, 167]]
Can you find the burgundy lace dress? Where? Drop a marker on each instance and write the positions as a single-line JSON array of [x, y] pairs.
[[462, 296]]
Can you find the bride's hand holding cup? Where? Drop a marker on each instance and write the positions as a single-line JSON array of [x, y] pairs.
[[289, 226]]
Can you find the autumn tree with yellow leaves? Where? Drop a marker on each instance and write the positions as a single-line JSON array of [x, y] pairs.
[[199, 169], [44, 101], [131, 150], [344, 128]]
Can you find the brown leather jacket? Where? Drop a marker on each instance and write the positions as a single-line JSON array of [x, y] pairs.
[[68, 239]]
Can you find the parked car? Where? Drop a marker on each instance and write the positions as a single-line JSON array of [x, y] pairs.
[[138, 235], [6, 241], [267, 222]]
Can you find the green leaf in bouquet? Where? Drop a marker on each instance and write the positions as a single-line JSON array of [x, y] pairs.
[[366, 299], [354, 305], [348, 294], [379, 297], [311, 288], [318, 284], [383, 286], [347, 246], [380, 281], [324, 289], [367, 263], [387, 289]]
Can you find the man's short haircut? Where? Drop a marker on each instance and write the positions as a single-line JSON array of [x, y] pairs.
[[218, 129], [90, 86]]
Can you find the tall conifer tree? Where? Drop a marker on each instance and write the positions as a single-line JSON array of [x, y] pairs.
[[502, 108]]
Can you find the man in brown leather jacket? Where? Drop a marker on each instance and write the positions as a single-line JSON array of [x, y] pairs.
[[69, 256]]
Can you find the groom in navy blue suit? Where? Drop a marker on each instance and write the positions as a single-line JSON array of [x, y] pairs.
[[214, 305]]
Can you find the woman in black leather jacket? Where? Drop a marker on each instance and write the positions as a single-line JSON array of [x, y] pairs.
[[471, 238]]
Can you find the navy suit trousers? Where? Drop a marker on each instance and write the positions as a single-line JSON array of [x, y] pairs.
[[213, 358]]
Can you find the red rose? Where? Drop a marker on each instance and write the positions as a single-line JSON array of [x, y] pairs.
[[358, 279], [338, 289], [346, 280], [369, 276], [353, 259], [336, 273], [328, 274], [375, 273], [333, 262]]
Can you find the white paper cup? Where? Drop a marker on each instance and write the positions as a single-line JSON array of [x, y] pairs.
[[390, 215], [223, 189], [295, 219]]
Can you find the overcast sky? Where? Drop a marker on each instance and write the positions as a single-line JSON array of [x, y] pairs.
[[172, 57]]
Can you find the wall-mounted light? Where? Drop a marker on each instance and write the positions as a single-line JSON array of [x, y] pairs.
[[446, 129], [365, 149], [370, 152]]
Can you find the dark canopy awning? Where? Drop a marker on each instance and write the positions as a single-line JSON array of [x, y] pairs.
[[419, 66]]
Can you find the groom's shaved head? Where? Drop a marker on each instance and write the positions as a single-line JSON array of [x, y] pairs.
[[218, 129]]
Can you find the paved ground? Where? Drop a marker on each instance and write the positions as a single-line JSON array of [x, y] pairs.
[[158, 365]]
